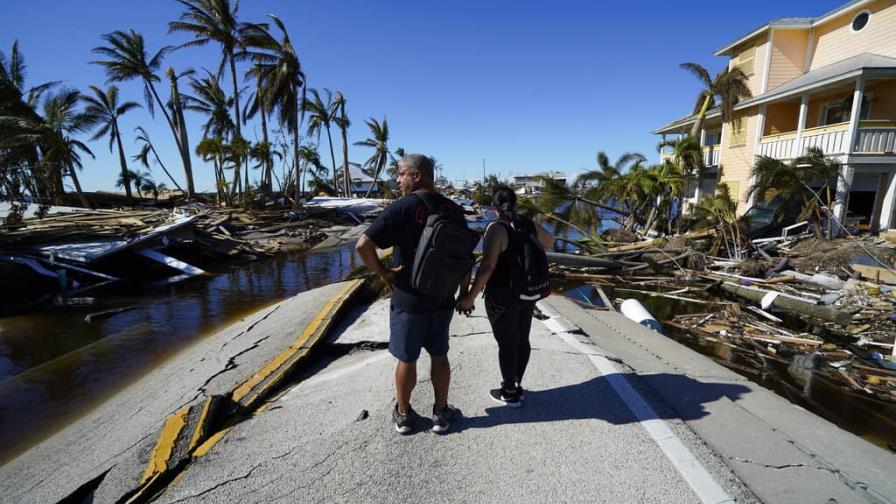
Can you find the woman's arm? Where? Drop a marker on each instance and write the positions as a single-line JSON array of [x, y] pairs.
[[495, 242], [545, 238]]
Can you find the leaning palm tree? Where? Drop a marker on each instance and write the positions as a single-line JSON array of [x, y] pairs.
[[209, 99], [148, 148], [730, 86], [599, 185], [321, 114], [378, 141], [106, 110], [126, 60], [343, 123], [284, 82], [258, 104]]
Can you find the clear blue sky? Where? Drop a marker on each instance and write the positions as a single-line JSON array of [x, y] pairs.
[[529, 86]]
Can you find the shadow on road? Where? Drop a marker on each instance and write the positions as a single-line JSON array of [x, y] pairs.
[[596, 399]]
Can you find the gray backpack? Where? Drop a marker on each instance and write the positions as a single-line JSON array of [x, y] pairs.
[[445, 250]]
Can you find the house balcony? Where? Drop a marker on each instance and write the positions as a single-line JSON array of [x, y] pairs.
[[872, 137], [711, 155]]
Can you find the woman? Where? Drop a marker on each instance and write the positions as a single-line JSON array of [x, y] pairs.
[[510, 317]]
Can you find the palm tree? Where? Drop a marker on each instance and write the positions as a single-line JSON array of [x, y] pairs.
[[687, 155], [148, 148], [789, 182], [284, 81], [343, 123], [215, 21], [52, 132], [177, 111], [392, 170], [257, 103], [105, 109], [378, 141], [598, 185], [209, 98], [320, 115], [20, 166], [126, 60], [720, 211], [730, 86]]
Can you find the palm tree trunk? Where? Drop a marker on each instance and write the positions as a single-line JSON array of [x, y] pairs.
[[346, 180], [73, 173], [332, 160], [698, 123], [183, 139], [184, 154], [376, 176], [295, 167], [123, 161], [164, 169], [266, 183], [236, 113]]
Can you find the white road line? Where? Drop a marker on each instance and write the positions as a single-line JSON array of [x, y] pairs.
[[690, 468]]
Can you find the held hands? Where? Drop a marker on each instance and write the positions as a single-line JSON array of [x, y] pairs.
[[465, 303]]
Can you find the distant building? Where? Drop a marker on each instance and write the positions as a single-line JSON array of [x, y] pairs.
[[532, 183], [360, 180]]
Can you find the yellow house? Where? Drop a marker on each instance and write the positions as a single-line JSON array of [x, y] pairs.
[[828, 81]]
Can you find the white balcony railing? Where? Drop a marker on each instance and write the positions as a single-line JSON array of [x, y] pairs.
[[711, 155], [876, 137], [831, 139]]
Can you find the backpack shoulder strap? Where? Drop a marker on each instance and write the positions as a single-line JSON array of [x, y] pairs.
[[426, 201]]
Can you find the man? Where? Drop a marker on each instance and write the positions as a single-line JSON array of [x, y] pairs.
[[416, 320]]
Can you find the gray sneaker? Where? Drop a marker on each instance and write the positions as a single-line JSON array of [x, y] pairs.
[[441, 420], [404, 424]]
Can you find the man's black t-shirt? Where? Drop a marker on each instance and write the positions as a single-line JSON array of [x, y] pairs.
[[400, 226]]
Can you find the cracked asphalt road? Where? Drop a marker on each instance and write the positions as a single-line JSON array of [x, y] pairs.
[[574, 440]]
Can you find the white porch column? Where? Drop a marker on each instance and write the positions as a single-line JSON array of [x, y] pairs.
[[844, 182], [854, 116], [801, 125], [760, 127], [886, 210]]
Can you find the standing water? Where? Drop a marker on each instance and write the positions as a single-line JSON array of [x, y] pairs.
[[55, 366]]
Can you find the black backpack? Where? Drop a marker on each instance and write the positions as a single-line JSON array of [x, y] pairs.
[[445, 251], [529, 263]]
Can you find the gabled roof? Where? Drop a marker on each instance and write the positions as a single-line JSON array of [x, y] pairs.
[[794, 22], [356, 173], [861, 64]]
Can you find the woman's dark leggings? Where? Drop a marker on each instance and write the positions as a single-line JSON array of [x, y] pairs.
[[511, 323]]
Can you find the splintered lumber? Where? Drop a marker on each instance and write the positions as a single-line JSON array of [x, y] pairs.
[[583, 261], [875, 273], [787, 302]]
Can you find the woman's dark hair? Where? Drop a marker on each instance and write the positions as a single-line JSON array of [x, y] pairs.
[[504, 200]]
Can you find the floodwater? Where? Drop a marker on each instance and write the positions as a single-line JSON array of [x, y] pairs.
[[794, 379], [55, 366]]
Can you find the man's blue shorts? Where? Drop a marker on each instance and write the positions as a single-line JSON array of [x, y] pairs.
[[409, 332]]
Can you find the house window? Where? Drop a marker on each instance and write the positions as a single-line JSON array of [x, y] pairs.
[[738, 132], [838, 111], [860, 21]]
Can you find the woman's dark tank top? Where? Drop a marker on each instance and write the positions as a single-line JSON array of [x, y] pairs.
[[499, 284]]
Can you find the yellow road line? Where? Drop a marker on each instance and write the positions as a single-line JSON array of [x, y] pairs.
[[323, 315], [158, 460], [199, 432], [210, 442]]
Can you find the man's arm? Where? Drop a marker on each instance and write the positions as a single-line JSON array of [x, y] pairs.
[[367, 251]]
